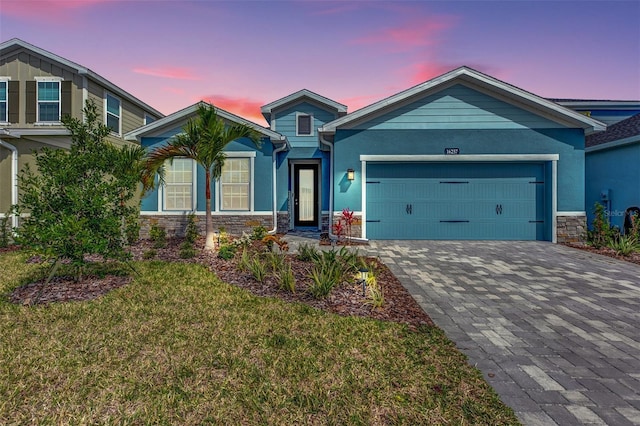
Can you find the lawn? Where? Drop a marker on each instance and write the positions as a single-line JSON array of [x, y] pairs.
[[178, 346]]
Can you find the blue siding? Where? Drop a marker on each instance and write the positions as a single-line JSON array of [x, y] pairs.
[[263, 182], [458, 107], [286, 123], [568, 143], [618, 170]]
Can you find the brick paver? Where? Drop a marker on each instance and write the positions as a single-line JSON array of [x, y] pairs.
[[555, 330]]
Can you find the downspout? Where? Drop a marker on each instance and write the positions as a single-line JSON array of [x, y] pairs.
[[14, 178], [331, 234], [274, 155]]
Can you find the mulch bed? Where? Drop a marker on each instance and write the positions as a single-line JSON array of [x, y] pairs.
[[345, 300], [606, 251]]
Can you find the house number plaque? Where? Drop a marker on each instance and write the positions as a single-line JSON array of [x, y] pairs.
[[451, 151]]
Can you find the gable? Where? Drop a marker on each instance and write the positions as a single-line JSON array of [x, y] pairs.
[[456, 107], [286, 119]]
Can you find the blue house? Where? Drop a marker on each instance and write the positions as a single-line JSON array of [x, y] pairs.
[[613, 169], [461, 156]]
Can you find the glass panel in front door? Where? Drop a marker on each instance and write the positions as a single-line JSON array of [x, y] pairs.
[[305, 191]]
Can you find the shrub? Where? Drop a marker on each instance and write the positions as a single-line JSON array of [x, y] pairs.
[[227, 252], [625, 244], [187, 250], [5, 230], [243, 264], [259, 232], [276, 261], [602, 233], [191, 232], [374, 294], [158, 235], [269, 241]]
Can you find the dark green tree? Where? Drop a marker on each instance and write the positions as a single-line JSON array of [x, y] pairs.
[[79, 202], [203, 139]]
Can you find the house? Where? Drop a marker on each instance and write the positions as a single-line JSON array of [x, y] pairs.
[[612, 167], [37, 88], [607, 111], [461, 156]]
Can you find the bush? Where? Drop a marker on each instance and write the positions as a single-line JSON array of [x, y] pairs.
[[324, 276], [624, 245], [191, 233], [227, 252], [5, 231], [259, 232], [187, 250], [601, 234], [257, 269], [149, 254], [307, 253], [158, 235]]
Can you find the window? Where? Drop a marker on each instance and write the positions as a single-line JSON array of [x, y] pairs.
[[113, 113], [48, 101], [4, 107], [235, 184], [304, 125], [178, 189]]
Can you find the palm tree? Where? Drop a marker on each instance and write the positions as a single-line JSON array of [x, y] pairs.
[[203, 140]]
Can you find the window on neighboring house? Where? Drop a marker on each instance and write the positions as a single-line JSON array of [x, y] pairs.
[[4, 106], [178, 185], [48, 101], [304, 125], [235, 184], [113, 113]]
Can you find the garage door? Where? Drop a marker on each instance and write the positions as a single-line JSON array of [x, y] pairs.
[[455, 201]]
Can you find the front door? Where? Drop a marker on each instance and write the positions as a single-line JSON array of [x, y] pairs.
[[305, 203]]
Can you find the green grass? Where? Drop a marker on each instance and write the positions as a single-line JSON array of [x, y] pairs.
[[177, 346]]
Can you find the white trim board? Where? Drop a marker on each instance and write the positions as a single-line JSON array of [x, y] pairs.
[[470, 158]]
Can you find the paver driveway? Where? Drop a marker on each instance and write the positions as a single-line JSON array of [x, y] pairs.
[[555, 330]]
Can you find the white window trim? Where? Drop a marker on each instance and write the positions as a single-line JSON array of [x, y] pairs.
[[59, 80], [106, 113], [162, 202], [218, 202], [299, 114], [6, 80]]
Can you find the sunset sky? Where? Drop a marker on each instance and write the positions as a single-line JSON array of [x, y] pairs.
[[241, 55]]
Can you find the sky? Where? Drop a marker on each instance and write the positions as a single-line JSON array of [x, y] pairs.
[[241, 54]]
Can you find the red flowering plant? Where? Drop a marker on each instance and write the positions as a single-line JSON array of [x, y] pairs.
[[348, 218], [338, 229]]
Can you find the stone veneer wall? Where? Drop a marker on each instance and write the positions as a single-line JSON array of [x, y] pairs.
[[571, 229], [356, 227], [175, 226]]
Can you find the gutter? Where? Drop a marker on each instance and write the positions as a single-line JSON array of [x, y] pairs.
[[332, 236], [14, 178], [274, 156]]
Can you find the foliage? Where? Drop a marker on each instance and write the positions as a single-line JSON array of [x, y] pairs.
[[79, 200], [625, 245], [5, 230], [325, 275], [258, 269], [270, 240], [158, 235], [374, 293], [149, 254], [275, 260], [286, 278], [307, 252], [348, 218], [338, 229], [601, 233], [132, 229], [245, 258], [227, 251], [203, 139], [187, 250], [259, 232], [191, 232]]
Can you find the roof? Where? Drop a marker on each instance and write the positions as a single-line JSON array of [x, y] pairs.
[[299, 96], [597, 103], [623, 130], [185, 113], [79, 69], [534, 103]]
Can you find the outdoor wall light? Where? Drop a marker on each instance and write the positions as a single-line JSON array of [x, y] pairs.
[[364, 274], [351, 175]]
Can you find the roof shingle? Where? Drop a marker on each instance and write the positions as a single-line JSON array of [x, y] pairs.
[[621, 130]]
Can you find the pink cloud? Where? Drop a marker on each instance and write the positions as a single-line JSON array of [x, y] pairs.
[[173, 90], [58, 9], [356, 102], [244, 107], [414, 34], [168, 72]]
